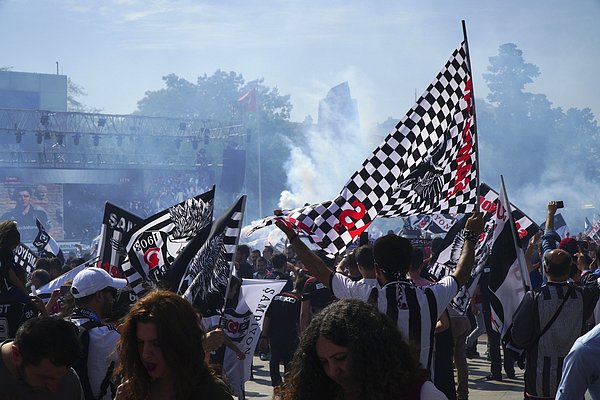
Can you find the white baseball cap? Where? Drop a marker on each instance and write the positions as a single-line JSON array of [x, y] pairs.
[[92, 280]]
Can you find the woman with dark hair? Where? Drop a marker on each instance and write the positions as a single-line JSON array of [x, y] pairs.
[[352, 351], [161, 354]]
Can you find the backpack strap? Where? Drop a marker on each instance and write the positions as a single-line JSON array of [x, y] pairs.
[[558, 310], [81, 366], [106, 381], [373, 296]]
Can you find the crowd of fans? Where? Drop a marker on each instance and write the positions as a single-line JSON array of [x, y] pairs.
[[368, 324]]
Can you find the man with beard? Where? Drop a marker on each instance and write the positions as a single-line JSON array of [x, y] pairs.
[[95, 292], [37, 364]]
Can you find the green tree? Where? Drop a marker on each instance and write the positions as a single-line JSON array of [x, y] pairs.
[[212, 97], [508, 73], [74, 92], [522, 135], [215, 97]]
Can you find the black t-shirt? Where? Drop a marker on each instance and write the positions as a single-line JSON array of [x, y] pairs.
[[15, 309], [15, 306], [245, 271], [289, 285], [319, 295], [284, 312]]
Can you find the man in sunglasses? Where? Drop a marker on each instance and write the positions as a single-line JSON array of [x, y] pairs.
[[95, 292]]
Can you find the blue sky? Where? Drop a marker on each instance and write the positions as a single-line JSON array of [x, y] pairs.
[[118, 49]]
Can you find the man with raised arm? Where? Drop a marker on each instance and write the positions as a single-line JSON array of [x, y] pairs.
[[415, 310]]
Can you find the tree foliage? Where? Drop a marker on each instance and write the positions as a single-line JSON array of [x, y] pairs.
[[522, 135], [211, 97], [215, 97], [74, 92]]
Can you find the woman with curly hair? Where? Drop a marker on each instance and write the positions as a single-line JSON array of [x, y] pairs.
[[161, 354], [352, 351]]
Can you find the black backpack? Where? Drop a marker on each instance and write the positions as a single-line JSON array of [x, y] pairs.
[[81, 365]]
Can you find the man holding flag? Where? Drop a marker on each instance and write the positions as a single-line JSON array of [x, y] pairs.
[[427, 165], [415, 310]]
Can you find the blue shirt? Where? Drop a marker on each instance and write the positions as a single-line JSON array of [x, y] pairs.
[[581, 370], [550, 240]]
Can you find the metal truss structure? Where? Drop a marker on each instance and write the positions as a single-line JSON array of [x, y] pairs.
[[37, 138]]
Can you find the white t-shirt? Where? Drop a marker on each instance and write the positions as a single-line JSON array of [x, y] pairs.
[[415, 310], [101, 352], [370, 281], [430, 392]]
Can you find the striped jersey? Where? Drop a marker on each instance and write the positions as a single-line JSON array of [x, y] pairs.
[[545, 359], [415, 310]]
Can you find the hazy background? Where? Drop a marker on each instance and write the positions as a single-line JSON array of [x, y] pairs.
[[388, 51]]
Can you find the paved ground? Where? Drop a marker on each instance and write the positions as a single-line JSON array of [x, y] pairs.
[[479, 388]]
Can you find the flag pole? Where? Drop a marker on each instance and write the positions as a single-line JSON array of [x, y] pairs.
[[514, 235], [258, 139], [231, 266], [474, 124]]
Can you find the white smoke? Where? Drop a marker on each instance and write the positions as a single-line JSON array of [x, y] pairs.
[[322, 164]]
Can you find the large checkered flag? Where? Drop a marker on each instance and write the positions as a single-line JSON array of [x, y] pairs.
[[154, 243], [115, 224], [46, 243], [205, 265], [446, 258], [25, 258], [428, 165]]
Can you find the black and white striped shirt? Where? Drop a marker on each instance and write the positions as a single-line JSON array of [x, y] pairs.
[[545, 359], [415, 310]]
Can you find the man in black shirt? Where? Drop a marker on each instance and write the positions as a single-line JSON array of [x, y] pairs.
[[279, 261], [243, 268], [280, 329], [25, 214]]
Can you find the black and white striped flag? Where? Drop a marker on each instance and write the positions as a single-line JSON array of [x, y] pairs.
[[448, 254], [205, 265], [426, 166], [509, 278], [115, 225], [25, 258], [156, 241], [46, 243]]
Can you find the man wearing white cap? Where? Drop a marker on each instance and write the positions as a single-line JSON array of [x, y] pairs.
[[95, 292]]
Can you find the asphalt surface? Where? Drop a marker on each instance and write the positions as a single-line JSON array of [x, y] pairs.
[[479, 388]]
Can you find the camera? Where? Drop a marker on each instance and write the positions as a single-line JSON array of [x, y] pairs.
[[560, 204], [64, 289]]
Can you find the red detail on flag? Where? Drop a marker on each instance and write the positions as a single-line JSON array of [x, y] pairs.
[[354, 216], [463, 168], [233, 326], [248, 100], [113, 270], [151, 257]]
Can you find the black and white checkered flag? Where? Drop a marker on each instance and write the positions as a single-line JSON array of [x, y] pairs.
[[156, 241], [426, 166]]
